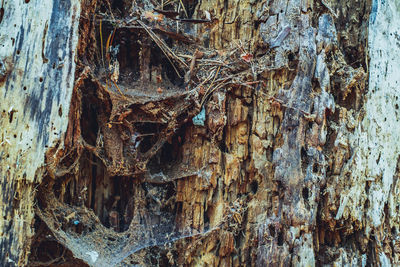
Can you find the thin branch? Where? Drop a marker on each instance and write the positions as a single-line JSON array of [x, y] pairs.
[[164, 48], [101, 43], [208, 89]]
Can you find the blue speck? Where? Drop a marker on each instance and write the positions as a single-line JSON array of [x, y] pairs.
[[76, 222], [200, 118]]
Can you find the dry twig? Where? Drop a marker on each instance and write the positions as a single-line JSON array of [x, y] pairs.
[[164, 48]]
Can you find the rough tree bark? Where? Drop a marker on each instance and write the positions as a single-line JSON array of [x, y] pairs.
[[199, 133]]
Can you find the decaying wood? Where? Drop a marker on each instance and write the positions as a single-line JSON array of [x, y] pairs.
[[186, 133], [38, 46]]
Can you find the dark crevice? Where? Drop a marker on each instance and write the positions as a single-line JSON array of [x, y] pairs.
[[304, 158], [254, 187]]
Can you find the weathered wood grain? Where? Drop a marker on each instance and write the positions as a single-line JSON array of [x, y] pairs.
[[293, 159], [37, 56]]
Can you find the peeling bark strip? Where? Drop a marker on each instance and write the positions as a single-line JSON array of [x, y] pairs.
[[373, 169], [299, 183], [33, 92]]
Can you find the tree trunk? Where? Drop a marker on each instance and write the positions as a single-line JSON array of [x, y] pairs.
[[234, 133], [37, 51]]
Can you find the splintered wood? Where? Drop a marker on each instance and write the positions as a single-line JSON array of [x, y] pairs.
[[222, 133]]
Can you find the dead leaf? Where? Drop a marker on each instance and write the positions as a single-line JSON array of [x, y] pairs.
[[246, 57]]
